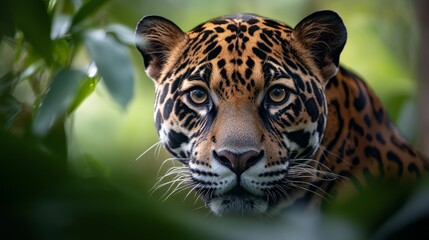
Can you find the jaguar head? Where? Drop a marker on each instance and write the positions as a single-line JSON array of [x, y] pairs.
[[240, 102]]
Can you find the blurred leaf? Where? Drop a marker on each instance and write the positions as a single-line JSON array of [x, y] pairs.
[[51, 5], [113, 63], [32, 18], [7, 57], [62, 52], [58, 98], [5, 83], [99, 169], [60, 25], [87, 10], [19, 46], [9, 110], [122, 33], [30, 70], [86, 88]]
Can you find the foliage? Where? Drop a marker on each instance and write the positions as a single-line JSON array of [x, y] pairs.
[[47, 43], [60, 57]]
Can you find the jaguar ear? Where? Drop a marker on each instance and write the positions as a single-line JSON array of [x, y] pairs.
[[322, 36], [155, 38]]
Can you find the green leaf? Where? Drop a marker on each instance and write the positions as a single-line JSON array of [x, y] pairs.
[[96, 166], [122, 33], [58, 98], [60, 25], [86, 88], [86, 10], [31, 69], [113, 63], [51, 5], [63, 51]]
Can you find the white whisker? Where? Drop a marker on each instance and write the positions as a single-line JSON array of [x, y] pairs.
[[172, 169], [293, 182], [171, 183], [176, 190], [199, 208], [190, 191], [177, 172], [147, 150], [324, 150], [280, 187]]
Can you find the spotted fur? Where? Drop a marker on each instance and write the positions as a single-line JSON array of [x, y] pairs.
[[261, 113]]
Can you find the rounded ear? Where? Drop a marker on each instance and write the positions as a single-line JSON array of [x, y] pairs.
[[155, 38], [322, 35]]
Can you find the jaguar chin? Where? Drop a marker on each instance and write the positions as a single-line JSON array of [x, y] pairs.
[[261, 113], [238, 202]]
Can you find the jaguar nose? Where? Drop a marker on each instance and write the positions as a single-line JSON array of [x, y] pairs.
[[238, 162]]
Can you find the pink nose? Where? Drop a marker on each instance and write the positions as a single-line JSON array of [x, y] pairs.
[[238, 162]]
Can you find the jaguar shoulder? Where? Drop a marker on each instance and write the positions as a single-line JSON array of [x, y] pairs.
[[261, 113]]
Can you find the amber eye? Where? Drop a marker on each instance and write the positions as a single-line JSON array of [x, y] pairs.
[[277, 95], [198, 96]]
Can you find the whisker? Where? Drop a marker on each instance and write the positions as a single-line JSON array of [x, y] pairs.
[[309, 160], [298, 171], [197, 195], [324, 150], [308, 190], [280, 187], [147, 150], [179, 174], [158, 150], [190, 191], [268, 216], [176, 190], [178, 179], [199, 208], [172, 171], [322, 172], [169, 160], [272, 195]]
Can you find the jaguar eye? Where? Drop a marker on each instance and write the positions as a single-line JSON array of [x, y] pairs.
[[277, 95], [198, 96]]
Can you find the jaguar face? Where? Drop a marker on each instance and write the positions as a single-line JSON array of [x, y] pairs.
[[240, 102]]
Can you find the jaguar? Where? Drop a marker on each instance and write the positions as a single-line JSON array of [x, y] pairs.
[[263, 115]]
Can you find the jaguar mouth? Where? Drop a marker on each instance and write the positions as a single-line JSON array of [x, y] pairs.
[[238, 201]]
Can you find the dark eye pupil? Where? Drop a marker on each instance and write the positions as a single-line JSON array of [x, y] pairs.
[[198, 96], [277, 92], [277, 95]]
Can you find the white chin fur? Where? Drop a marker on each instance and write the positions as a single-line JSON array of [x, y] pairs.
[[238, 205]]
